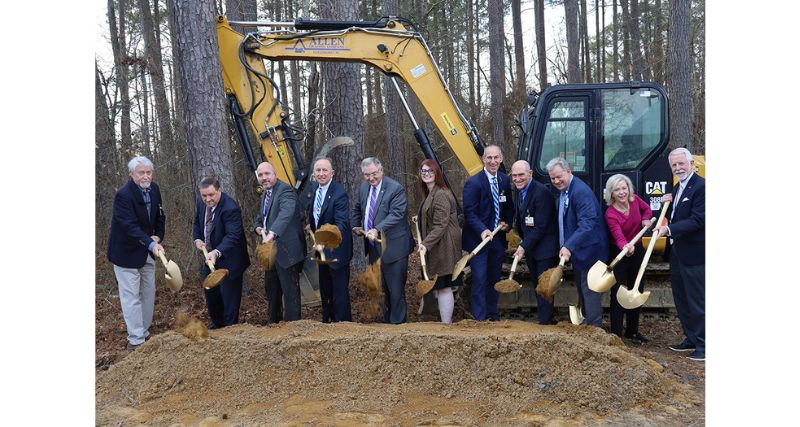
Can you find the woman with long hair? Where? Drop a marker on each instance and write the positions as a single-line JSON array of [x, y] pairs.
[[441, 235]]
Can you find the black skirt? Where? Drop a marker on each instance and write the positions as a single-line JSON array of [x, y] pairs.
[[444, 282]]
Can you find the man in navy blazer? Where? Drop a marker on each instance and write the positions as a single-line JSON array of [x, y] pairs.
[[536, 223], [137, 229], [331, 206], [582, 233], [279, 217], [382, 207], [218, 228], [487, 204], [686, 247]]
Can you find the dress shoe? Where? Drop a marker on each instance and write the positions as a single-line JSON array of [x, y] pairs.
[[213, 325], [685, 345], [697, 355], [131, 347], [637, 337]]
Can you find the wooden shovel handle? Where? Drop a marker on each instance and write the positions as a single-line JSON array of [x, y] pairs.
[[633, 241], [485, 241], [162, 257], [513, 268], [561, 261], [210, 265], [421, 257], [650, 248]]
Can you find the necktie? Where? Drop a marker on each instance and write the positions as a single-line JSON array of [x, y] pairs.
[[209, 217], [371, 216], [267, 196], [146, 196], [317, 206], [496, 201], [561, 199]]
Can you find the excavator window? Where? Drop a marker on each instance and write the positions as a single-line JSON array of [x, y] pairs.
[[565, 133], [631, 126]]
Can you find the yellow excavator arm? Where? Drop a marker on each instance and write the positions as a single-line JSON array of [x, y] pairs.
[[385, 44]]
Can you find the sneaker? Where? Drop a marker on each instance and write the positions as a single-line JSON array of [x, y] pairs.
[[698, 355], [685, 345]]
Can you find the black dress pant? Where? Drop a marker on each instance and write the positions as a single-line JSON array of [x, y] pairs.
[[625, 272], [283, 293]]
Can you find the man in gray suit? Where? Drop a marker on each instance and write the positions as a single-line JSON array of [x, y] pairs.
[[279, 217], [382, 206]]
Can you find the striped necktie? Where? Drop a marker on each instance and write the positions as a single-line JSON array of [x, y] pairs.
[[317, 207], [372, 199], [209, 219], [561, 199], [496, 201]]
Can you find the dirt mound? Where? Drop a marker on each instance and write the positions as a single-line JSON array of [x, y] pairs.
[[469, 373]]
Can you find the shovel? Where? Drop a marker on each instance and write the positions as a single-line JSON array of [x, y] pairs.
[[423, 286], [550, 280], [173, 274], [509, 285], [320, 258], [216, 276], [575, 314], [465, 259], [601, 276], [630, 299]]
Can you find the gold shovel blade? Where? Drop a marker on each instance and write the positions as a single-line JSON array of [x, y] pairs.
[[600, 278], [460, 266], [215, 278], [424, 286], [631, 299], [507, 286], [173, 276]]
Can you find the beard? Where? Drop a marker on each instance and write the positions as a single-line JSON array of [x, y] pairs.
[[144, 185]]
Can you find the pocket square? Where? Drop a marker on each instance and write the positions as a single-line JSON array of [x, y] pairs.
[[685, 199]]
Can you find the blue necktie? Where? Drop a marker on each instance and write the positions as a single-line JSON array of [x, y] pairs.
[[146, 197], [317, 206], [561, 199], [496, 200]]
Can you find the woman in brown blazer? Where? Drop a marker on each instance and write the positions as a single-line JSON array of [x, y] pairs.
[[441, 235]]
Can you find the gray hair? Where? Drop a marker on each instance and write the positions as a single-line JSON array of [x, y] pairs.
[[523, 163], [558, 161], [492, 146], [370, 161], [681, 150], [139, 160], [208, 182], [612, 182], [314, 163]]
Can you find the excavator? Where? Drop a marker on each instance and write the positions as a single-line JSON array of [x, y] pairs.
[[601, 129]]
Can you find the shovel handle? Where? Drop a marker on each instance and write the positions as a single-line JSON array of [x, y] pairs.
[[513, 268], [485, 241], [561, 261], [421, 257], [624, 251], [162, 257], [649, 248], [210, 265]]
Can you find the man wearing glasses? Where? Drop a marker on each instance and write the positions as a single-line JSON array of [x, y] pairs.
[[381, 206]]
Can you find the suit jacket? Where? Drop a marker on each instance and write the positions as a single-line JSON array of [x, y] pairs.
[[335, 210], [440, 231], [479, 209], [283, 219], [390, 218], [131, 227], [227, 235], [688, 226], [539, 240], [584, 226]]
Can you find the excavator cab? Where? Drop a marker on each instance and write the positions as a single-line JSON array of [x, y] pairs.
[[601, 130]]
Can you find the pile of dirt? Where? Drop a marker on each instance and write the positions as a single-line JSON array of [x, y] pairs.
[[469, 373]]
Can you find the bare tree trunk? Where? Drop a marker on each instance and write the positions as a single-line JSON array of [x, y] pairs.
[[241, 10], [636, 41], [541, 48], [680, 75], [106, 167], [477, 58], [497, 75], [598, 42], [471, 59], [627, 66], [344, 112], [294, 72], [156, 69], [615, 42], [203, 99], [377, 77], [118, 48], [143, 102], [571, 19], [658, 48], [311, 125], [394, 114], [519, 52], [586, 62]]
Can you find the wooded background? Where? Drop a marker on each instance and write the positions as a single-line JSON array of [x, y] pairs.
[[160, 94]]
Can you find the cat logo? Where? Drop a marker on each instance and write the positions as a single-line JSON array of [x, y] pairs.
[[655, 188]]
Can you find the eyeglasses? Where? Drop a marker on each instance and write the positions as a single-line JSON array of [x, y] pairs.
[[426, 171], [371, 174]]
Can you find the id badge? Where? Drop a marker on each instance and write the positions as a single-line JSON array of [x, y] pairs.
[[502, 198], [529, 221]]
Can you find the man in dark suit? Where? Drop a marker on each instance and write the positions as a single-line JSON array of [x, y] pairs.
[[218, 228], [382, 206], [137, 229], [686, 247], [536, 223], [487, 204], [582, 233], [279, 219], [332, 206]]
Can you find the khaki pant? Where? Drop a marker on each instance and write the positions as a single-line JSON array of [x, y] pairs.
[[137, 295]]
